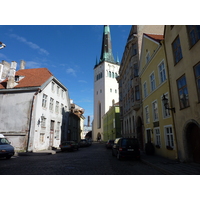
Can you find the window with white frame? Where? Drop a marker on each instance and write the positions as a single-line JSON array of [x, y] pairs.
[[43, 123], [44, 101], [166, 112], [162, 72], [145, 89], [51, 104], [58, 90], [52, 86], [157, 136], [169, 137], [147, 114], [57, 107], [153, 82], [155, 110]]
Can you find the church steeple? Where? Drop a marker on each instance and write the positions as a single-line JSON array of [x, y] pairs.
[[106, 51]]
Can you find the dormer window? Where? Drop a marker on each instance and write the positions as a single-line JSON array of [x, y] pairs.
[[16, 78]]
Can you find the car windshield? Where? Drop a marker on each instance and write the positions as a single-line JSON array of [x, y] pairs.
[[4, 141], [127, 142]]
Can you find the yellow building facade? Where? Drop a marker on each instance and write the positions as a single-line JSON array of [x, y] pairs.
[[158, 121], [182, 45]]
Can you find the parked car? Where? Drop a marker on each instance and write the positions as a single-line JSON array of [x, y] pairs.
[[6, 150], [89, 141], [83, 143], [69, 145], [126, 148], [109, 144]]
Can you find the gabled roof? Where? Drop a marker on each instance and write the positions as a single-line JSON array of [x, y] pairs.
[[31, 78], [155, 37]]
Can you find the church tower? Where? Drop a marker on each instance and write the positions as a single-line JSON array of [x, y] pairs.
[[106, 92]]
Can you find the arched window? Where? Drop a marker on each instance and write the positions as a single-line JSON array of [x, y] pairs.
[[109, 73], [112, 74]]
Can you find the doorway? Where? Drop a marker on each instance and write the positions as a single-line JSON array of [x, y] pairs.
[[193, 142], [51, 138]]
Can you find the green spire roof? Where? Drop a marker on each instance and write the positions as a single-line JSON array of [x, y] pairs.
[[106, 51]]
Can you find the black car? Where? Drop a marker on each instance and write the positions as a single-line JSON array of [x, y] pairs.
[[84, 143], [69, 145], [126, 148], [109, 144]]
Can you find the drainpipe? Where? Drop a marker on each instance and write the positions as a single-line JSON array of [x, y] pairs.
[[31, 117]]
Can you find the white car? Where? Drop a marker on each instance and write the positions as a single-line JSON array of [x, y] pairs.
[[6, 150]]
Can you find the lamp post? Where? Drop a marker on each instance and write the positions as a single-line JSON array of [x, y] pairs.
[[166, 104], [2, 45]]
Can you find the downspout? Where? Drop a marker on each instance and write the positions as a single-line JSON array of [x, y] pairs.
[[31, 116]]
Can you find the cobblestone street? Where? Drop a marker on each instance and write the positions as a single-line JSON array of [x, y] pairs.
[[93, 160]]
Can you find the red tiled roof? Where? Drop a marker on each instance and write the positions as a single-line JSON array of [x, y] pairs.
[[158, 38], [32, 77]]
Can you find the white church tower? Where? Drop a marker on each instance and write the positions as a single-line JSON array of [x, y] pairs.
[[106, 92]]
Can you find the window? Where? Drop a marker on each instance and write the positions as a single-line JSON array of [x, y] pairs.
[[109, 73], [147, 114], [44, 101], [183, 92], [43, 123], [157, 135], [193, 34], [169, 138], [115, 91], [52, 86], [51, 104], [162, 72], [113, 75], [145, 89], [177, 52], [155, 111], [58, 90], [57, 107], [110, 89], [152, 81], [166, 112], [137, 93], [99, 115], [147, 57], [134, 50], [197, 77], [42, 137], [61, 108], [62, 93], [135, 66]]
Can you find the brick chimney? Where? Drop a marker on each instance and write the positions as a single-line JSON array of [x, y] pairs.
[[22, 64], [11, 75]]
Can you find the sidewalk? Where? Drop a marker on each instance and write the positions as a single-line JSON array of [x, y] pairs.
[[170, 167], [40, 153]]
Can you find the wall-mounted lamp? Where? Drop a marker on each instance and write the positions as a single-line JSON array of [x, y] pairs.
[[166, 104]]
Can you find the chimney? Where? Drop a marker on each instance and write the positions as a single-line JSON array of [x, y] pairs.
[[22, 64], [11, 75], [88, 121]]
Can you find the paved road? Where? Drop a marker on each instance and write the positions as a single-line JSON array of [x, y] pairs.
[[93, 160]]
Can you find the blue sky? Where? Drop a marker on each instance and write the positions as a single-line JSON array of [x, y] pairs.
[[68, 51]]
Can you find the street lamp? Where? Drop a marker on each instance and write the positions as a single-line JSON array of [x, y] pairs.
[[2, 45], [166, 104]]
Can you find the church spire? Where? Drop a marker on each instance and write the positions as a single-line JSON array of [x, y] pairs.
[[106, 51]]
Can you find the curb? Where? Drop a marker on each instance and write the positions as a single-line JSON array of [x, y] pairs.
[[166, 172]]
